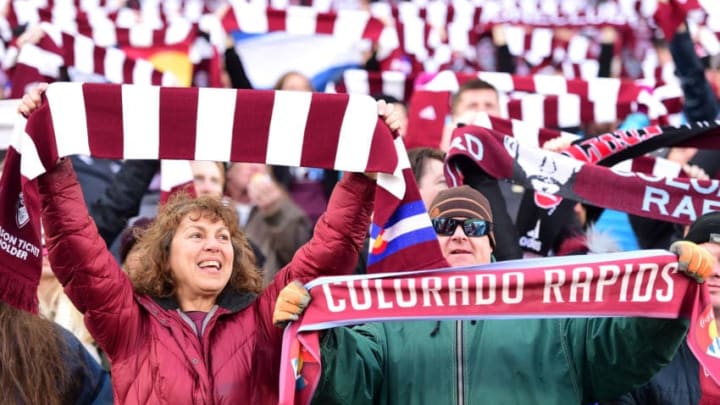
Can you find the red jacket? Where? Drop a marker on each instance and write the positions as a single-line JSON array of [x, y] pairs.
[[156, 356]]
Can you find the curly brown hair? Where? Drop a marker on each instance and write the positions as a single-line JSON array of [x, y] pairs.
[[154, 278]]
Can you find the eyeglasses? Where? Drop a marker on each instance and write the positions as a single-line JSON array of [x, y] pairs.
[[473, 227]]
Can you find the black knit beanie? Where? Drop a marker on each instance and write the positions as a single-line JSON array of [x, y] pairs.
[[705, 229]]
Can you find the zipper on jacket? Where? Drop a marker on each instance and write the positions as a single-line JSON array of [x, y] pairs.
[[459, 361]]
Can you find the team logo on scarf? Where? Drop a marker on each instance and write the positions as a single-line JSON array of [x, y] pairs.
[[379, 245], [22, 217], [707, 336], [542, 172]]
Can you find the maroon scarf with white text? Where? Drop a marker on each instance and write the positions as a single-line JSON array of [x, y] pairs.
[[640, 284], [670, 199]]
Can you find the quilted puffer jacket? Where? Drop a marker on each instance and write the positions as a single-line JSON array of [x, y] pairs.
[[155, 353]]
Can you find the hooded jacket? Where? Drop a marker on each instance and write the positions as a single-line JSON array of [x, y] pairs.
[[155, 352]]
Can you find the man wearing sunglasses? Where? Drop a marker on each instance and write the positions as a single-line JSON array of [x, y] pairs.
[[498, 362], [462, 219]]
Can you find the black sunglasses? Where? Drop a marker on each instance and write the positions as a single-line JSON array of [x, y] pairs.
[[472, 227]]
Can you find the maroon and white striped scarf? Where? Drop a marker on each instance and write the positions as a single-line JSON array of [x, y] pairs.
[[42, 62], [360, 81], [335, 131], [541, 48], [642, 283], [163, 23], [554, 101], [256, 18], [92, 39], [432, 32], [620, 149]]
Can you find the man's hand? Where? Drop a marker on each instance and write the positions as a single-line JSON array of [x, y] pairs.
[[290, 304], [693, 260]]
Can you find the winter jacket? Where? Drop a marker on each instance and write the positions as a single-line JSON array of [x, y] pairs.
[[155, 352], [90, 384], [677, 383], [700, 102], [497, 362]]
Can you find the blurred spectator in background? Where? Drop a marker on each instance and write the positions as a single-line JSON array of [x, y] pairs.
[[427, 165], [680, 381], [268, 216], [208, 178], [55, 306]]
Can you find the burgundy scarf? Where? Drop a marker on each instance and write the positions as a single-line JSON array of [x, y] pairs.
[[331, 131], [670, 199], [642, 283]]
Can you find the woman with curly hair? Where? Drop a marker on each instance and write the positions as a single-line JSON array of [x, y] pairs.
[[191, 324]]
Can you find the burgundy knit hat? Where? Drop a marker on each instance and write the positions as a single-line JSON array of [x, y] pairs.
[[463, 201]]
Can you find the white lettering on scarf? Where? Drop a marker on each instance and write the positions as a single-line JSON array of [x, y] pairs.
[[640, 282]]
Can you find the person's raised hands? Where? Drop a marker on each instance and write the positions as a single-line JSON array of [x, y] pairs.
[[32, 99], [695, 172], [558, 144], [389, 114], [392, 118]]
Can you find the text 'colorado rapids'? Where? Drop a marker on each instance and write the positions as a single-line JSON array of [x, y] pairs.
[[640, 282]]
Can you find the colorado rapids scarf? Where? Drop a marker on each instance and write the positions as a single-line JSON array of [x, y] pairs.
[[543, 214], [669, 199], [642, 283]]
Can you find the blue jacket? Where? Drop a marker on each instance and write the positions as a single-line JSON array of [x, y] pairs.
[[677, 383], [90, 382]]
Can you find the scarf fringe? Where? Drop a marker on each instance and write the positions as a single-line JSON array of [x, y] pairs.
[[19, 292]]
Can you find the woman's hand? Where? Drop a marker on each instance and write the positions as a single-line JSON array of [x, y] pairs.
[[32, 100]]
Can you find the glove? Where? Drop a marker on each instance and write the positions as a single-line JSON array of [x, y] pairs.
[[693, 260], [290, 304]]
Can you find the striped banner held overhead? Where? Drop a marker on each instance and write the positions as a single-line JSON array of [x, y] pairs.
[[334, 131], [59, 49], [257, 18]]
